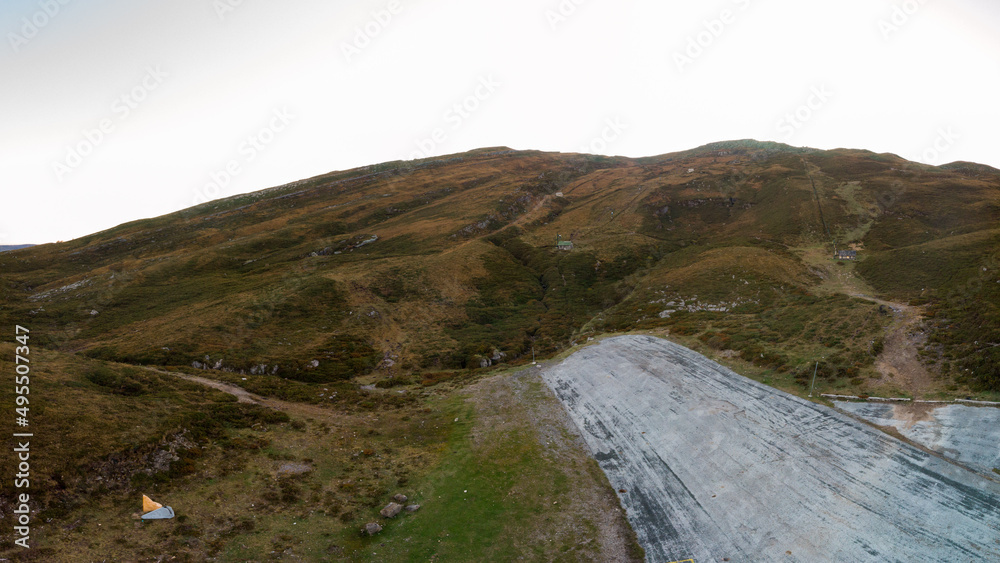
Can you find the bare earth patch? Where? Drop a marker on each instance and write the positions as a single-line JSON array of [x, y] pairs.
[[898, 362]]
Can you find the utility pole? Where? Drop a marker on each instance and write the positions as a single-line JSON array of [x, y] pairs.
[[814, 380]]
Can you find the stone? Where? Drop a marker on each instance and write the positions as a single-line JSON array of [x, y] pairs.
[[372, 528], [400, 498], [391, 510], [293, 469], [412, 508]]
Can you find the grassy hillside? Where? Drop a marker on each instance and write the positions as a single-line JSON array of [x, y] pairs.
[[338, 292]]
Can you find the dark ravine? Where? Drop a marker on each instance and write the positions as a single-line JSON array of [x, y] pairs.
[[715, 465]]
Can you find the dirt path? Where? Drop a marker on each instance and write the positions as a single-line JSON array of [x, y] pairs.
[[241, 394], [244, 396], [898, 363], [530, 214]]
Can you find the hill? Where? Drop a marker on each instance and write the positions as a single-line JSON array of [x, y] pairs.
[[416, 276], [449, 263]]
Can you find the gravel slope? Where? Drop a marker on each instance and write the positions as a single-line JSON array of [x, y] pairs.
[[715, 465]]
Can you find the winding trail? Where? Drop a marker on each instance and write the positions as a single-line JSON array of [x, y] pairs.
[[289, 407], [241, 394], [710, 464]]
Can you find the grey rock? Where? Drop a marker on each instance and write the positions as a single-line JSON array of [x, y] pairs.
[[400, 498], [391, 510], [412, 508], [161, 460], [293, 469], [372, 528]]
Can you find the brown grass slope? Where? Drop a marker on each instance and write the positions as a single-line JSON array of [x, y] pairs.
[[448, 263], [414, 276]]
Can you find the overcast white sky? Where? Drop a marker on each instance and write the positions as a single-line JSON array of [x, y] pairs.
[[279, 91]]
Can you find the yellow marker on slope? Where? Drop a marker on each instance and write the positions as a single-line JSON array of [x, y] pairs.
[[153, 510], [149, 505]]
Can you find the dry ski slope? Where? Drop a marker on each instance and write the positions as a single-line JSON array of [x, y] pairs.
[[715, 465]]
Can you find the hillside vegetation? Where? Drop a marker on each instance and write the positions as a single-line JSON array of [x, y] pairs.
[[416, 276]]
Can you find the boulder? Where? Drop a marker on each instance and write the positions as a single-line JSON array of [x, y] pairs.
[[401, 499], [293, 469], [412, 508], [391, 510], [372, 528]]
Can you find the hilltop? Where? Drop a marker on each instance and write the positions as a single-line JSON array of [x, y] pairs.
[[382, 291], [448, 263]]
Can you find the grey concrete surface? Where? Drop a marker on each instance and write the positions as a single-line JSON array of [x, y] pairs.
[[969, 435], [715, 465]]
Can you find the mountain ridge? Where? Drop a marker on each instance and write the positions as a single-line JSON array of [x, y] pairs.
[[378, 237]]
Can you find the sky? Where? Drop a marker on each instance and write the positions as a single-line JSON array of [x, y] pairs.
[[117, 110]]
